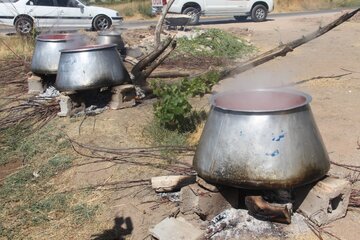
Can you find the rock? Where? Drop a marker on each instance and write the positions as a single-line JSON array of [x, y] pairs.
[[206, 204], [326, 201], [176, 229], [171, 183]]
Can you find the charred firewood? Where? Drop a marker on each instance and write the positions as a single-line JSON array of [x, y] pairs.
[[261, 209]]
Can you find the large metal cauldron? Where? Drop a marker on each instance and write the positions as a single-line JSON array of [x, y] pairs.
[[261, 139], [90, 67], [111, 37], [46, 55]]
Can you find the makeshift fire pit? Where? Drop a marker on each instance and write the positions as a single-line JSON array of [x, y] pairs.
[[261, 139]]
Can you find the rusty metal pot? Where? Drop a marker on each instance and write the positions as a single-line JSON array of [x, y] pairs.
[[261, 139], [46, 54], [90, 67]]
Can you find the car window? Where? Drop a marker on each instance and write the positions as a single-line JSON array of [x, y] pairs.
[[41, 2], [67, 3]]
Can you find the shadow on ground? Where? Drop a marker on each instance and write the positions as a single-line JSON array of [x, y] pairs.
[[122, 227]]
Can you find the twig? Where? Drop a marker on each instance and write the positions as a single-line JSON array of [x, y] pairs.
[[320, 77], [284, 49]]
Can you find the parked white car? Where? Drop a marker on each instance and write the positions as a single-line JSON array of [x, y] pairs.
[[27, 14], [240, 9]]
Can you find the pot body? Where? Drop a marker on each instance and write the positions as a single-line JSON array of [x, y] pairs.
[[111, 38], [90, 67], [261, 150], [46, 54]]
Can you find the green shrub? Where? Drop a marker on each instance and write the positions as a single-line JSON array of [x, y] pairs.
[[214, 43], [173, 109], [144, 8]]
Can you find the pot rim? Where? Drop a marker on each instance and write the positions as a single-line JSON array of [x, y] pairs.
[[306, 101], [109, 33], [56, 37], [88, 48]]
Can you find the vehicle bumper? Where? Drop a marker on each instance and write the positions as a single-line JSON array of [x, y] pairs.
[[117, 20], [156, 10]]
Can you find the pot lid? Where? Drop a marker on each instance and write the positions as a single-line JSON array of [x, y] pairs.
[[88, 48], [260, 100]]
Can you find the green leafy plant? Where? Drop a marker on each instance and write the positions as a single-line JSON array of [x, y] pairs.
[[214, 43], [173, 109]]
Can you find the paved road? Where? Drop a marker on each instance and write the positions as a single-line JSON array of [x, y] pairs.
[[204, 21]]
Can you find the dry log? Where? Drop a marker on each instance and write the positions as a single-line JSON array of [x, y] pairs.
[[168, 75], [284, 49]]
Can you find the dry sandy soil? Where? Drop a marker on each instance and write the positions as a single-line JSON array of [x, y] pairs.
[[335, 105]]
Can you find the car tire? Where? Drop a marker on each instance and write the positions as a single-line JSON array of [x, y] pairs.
[[259, 13], [24, 25], [194, 13], [101, 22], [240, 18]]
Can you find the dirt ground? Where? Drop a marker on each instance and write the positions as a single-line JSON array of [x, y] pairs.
[[131, 212]]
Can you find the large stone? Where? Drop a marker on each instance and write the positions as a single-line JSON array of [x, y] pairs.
[[327, 201], [176, 229], [207, 204]]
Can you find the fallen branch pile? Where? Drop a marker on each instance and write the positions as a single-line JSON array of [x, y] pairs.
[[157, 157], [13, 72], [36, 113]]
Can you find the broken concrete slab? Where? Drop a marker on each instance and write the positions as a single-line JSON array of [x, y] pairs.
[[176, 229], [206, 204], [66, 106], [123, 96], [208, 186], [171, 183], [35, 85], [327, 201]]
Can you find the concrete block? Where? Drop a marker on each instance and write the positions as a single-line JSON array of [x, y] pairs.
[[35, 85], [206, 204], [123, 96], [327, 201], [65, 106], [176, 229]]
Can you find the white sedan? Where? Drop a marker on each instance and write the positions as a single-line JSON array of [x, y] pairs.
[[26, 15]]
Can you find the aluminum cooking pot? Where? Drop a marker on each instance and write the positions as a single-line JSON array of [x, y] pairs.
[[261, 139], [90, 67], [111, 37], [46, 54]]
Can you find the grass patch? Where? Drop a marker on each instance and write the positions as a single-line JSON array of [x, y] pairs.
[[214, 43], [137, 9], [27, 197], [298, 5], [21, 46], [83, 212]]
